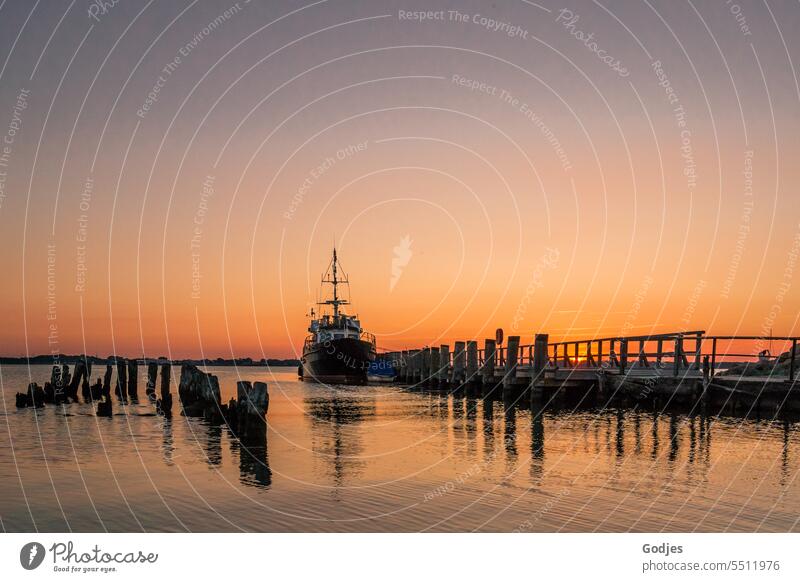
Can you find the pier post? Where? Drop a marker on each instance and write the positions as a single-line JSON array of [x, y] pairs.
[[539, 364], [251, 408], [426, 367], [676, 364], [164, 404], [122, 380], [459, 357], [133, 380], [104, 405], [199, 393], [403, 372], [150, 389], [433, 381], [473, 379], [512, 355], [444, 363], [489, 356]]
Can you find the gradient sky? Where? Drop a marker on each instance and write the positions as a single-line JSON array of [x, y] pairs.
[[542, 189]]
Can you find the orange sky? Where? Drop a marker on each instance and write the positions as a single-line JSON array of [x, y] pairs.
[[606, 235]]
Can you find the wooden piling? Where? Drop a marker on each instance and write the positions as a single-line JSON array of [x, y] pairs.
[[133, 380], [164, 404], [487, 370], [426, 367], [444, 365], [472, 363], [435, 367], [122, 380], [512, 356], [540, 357], [459, 364], [251, 408], [199, 393], [152, 373]]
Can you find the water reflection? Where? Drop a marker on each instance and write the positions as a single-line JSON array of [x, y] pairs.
[[254, 464], [335, 414]]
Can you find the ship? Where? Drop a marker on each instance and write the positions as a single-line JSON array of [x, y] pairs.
[[338, 350]]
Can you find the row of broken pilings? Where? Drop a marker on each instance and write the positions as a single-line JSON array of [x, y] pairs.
[[198, 392], [64, 386]]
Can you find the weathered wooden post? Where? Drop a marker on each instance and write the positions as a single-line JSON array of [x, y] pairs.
[[152, 373], [706, 378], [104, 407], [133, 380], [435, 367], [33, 397], [164, 404], [539, 364], [512, 355], [199, 393], [401, 367], [251, 408], [623, 355], [676, 364], [459, 364], [78, 379], [473, 379], [122, 380], [444, 365], [489, 355], [426, 366]]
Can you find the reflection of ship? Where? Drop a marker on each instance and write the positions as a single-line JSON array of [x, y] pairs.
[[337, 351], [335, 433]]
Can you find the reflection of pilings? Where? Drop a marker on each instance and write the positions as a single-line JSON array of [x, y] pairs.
[[673, 437], [488, 427], [254, 464], [167, 441], [537, 443], [510, 433], [637, 432], [620, 433], [214, 445], [654, 453]]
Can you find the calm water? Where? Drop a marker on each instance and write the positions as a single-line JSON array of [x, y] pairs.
[[388, 459]]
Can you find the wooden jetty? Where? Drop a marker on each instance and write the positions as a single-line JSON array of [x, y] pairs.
[[679, 367]]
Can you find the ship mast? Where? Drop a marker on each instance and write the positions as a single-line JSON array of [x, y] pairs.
[[334, 280]]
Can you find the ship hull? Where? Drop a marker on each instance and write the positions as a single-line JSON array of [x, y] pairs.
[[339, 361]]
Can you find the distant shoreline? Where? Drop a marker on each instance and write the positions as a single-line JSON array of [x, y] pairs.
[[49, 360]]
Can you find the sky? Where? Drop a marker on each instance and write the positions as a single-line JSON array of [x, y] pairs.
[[174, 175]]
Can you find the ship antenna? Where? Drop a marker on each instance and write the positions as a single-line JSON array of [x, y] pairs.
[[335, 284]]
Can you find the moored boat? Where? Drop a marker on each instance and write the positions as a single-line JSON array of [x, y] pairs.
[[338, 350]]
